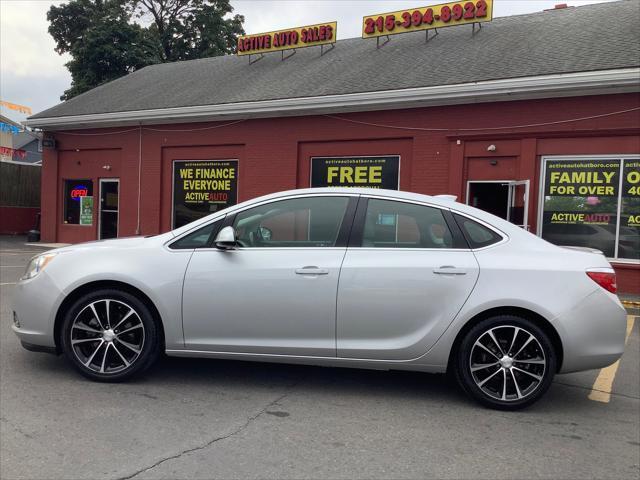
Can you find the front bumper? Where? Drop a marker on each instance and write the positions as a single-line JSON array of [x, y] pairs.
[[592, 333], [40, 348], [35, 303]]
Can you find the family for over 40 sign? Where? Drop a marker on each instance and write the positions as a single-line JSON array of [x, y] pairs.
[[202, 187], [427, 18]]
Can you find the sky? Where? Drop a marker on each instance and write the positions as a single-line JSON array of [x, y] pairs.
[[33, 74]]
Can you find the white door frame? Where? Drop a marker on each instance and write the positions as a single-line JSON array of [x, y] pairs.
[[525, 215], [100, 182]]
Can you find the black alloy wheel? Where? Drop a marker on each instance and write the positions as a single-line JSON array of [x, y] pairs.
[[505, 362], [110, 335]]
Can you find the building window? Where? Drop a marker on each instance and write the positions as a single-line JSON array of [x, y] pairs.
[[593, 202], [73, 190]]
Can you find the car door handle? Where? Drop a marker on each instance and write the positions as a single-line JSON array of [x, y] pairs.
[[312, 271], [449, 270]]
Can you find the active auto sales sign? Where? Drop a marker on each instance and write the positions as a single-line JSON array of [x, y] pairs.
[[426, 18], [202, 187], [300, 37], [370, 172]]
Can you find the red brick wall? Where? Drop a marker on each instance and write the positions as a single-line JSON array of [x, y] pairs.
[[274, 153], [628, 278], [17, 220]]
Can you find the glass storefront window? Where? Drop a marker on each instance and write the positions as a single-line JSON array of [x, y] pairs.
[[629, 237], [73, 190], [585, 204]]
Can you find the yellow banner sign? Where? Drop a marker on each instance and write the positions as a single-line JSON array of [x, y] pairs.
[[426, 18], [16, 107], [300, 37]]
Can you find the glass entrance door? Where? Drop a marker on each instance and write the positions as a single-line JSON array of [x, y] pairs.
[[519, 203], [508, 199], [109, 205]]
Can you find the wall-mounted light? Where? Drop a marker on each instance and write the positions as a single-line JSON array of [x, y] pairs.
[[493, 162], [491, 148], [107, 167]]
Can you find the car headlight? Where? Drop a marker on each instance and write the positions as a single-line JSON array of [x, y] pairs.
[[37, 264]]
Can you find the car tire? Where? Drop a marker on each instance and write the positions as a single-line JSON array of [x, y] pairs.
[[505, 362], [110, 335]]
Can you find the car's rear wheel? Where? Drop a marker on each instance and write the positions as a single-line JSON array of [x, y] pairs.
[[505, 362], [110, 335]]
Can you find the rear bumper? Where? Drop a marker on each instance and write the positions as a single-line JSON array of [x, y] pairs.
[[592, 333]]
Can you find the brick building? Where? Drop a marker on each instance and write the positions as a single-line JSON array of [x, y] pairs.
[[535, 118]]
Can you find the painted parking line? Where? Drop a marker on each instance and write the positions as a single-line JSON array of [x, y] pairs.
[[601, 390], [8, 283]]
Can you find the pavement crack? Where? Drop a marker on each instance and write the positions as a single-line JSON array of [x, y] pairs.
[[238, 430], [15, 427], [613, 394]]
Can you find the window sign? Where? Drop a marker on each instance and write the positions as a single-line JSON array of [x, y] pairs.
[[74, 190], [202, 187], [86, 210], [582, 199], [629, 236], [370, 172]]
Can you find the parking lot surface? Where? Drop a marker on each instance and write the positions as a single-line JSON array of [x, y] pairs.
[[220, 419]]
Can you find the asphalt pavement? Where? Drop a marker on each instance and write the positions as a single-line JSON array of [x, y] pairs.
[[221, 419]]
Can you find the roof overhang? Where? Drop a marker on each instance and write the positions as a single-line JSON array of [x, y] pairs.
[[600, 82]]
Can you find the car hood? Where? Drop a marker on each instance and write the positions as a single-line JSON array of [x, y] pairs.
[[116, 243]]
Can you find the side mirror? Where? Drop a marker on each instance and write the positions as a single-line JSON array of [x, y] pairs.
[[226, 239]]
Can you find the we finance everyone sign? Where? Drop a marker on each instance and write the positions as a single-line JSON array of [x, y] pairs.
[[370, 172], [202, 187], [292, 38]]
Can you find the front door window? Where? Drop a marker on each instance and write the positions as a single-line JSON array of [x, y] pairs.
[[298, 222]]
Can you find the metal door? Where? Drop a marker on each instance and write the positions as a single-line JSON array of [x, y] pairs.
[[268, 299], [395, 301]]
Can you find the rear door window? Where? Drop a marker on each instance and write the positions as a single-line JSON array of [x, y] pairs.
[[394, 224]]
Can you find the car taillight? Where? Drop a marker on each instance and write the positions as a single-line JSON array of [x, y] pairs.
[[606, 280]]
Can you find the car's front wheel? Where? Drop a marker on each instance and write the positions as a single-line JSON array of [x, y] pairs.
[[505, 362], [110, 335]]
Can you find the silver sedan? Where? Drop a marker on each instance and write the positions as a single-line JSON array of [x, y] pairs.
[[337, 277]]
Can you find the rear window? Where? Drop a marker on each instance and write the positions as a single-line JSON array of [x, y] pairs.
[[477, 235]]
